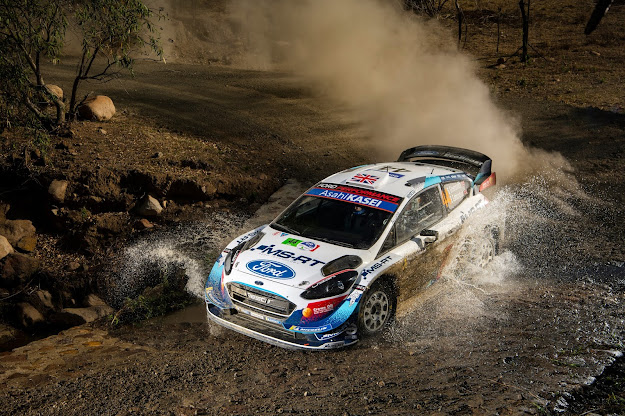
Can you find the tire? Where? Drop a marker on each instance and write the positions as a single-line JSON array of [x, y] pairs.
[[476, 251], [377, 308]]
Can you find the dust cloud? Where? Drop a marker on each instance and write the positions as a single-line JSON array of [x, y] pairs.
[[402, 75]]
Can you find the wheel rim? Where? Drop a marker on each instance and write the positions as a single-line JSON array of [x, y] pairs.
[[376, 311], [485, 254]]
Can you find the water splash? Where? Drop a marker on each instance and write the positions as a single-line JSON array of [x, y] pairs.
[[187, 248]]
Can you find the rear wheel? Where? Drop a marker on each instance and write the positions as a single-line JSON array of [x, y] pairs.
[[377, 309]]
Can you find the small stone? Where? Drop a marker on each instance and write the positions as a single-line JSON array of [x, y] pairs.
[[149, 206], [595, 53], [157, 155], [306, 393], [143, 224], [101, 130], [45, 298], [73, 266], [5, 247], [28, 315], [58, 189], [381, 383]]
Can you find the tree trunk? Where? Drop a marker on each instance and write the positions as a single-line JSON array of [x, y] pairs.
[[526, 28]]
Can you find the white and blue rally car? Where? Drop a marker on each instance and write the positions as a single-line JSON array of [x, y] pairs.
[[325, 272]]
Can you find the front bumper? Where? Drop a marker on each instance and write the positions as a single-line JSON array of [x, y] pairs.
[[272, 334]]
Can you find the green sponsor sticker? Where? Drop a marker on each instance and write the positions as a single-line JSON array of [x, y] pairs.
[[291, 242]]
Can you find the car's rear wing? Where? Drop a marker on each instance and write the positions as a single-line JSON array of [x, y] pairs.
[[475, 163]]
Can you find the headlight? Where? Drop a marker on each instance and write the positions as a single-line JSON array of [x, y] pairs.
[[342, 263], [331, 286], [234, 253]]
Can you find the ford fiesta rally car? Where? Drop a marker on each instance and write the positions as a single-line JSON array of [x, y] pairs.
[[325, 271]]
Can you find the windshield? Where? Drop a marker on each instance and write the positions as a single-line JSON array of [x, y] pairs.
[[342, 215]]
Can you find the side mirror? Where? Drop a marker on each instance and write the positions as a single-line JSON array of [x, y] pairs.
[[429, 236]]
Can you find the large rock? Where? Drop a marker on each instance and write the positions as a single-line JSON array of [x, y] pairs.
[[5, 247], [98, 108], [58, 189], [15, 230], [55, 90], [17, 267], [27, 244], [149, 206], [79, 316], [8, 335], [4, 208], [28, 316]]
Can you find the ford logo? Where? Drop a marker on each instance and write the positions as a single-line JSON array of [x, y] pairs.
[[270, 268]]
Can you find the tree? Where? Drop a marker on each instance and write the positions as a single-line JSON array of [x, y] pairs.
[[32, 31]]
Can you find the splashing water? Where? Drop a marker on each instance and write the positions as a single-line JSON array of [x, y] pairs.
[[548, 238], [188, 248]]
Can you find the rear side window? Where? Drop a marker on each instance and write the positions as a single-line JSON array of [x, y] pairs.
[[423, 211], [454, 193]]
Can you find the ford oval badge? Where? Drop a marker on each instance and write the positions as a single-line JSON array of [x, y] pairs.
[[268, 268], [258, 282]]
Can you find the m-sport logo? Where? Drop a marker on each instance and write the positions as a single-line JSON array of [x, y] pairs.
[[270, 268]]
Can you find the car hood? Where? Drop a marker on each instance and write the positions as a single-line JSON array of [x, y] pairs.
[[287, 259]]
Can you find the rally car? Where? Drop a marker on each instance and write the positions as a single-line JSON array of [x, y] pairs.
[[325, 272]]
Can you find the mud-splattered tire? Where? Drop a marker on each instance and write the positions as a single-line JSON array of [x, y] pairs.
[[377, 308]]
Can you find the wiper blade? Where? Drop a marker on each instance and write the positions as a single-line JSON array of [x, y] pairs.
[[338, 243], [284, 228]]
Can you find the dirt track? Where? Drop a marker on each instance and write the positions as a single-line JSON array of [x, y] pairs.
[[517, 346]]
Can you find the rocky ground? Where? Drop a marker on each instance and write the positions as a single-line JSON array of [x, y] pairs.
[[191, 143]]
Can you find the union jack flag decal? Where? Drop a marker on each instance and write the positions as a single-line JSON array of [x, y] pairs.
[[367, 179]]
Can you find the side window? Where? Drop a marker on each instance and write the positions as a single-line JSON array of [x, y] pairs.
[[454, 193], [389, 243], [424, 210]]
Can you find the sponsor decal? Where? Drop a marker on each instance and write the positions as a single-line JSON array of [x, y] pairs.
[[323, 307], [376, 266], [268, 268], [453, 177], [247, 236], [365, 179], [354, 198], [393, 172], [283, 254], [307, 329], [280, 234], [329, 335], [354, 297], [302, 245], [257, 298]]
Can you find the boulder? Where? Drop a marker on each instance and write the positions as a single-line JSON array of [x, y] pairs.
[[55, 90], [45, 299], [8, 335], [94, 300], [5, 247], [58, 189], [4, 208], [149, 206], [98, 108], [79, 316], [27, 244], [17, 267], [28, 316], [15, 230]]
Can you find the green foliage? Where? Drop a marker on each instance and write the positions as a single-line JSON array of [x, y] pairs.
[[154, 301], [32, 32]]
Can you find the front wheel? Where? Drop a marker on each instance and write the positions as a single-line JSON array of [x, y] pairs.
[[377, 309]]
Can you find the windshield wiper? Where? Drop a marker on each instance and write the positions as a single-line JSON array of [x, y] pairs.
[[338, 243], [284, 228]]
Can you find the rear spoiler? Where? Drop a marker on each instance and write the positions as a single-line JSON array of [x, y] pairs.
[[448, 156]]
